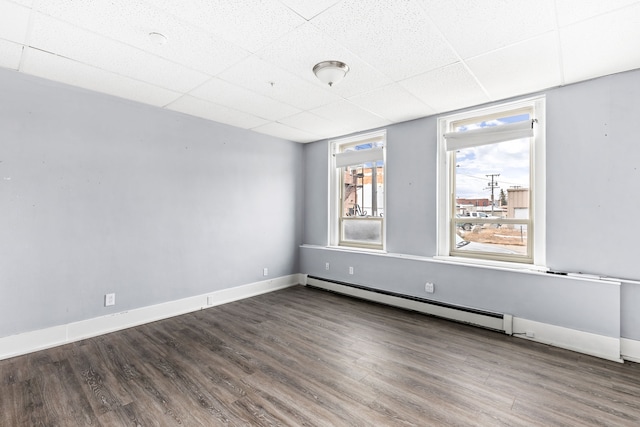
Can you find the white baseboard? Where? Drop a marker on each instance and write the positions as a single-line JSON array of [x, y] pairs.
[[28, 342], [570, 339], [502, 323], [630, 350], [583, 342]]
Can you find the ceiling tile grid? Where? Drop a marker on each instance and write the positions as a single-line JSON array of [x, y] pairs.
[[315, 124], [218, 113], [241, 99], [525, 67], [14, 21], [248, 63], [64, 70], [395, 36], [309, 8], [601, 45], [10, 54]]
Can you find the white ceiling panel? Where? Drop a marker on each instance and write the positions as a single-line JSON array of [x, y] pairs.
[[447, 88], [258, 75], [135, 20], [315, 124], [219, 113], [304, 47], [72, 42], [14, 21], [239, 98], [602, 45], [525, 67], [57, 68], [350, 116], [286, 132], [10, 54], [571, 11], [476, 27], [416, 45], [394, 103], [251, 24], [309, 8], [407, 58]]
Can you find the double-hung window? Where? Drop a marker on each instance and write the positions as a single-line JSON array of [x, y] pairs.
[[491, 193], [357, 191]]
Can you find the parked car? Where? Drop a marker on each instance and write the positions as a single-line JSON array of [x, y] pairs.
[[475, 215]]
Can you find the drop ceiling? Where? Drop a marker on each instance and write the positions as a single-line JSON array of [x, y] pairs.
[[248, 63]]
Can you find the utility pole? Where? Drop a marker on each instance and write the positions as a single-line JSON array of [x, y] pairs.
[[492, 186]]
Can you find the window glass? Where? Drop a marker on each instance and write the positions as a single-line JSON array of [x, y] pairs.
[[490, 185], [359, 192]]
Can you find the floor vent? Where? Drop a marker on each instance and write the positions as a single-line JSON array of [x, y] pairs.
[[486, 319]]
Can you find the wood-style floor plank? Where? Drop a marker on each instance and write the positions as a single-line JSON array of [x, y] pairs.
[[306, 357]]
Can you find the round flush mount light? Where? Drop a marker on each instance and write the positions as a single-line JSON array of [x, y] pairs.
[[157, 38], [330, 72]]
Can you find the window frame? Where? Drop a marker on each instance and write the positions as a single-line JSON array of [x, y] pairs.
[[336, 192], [446, 198]]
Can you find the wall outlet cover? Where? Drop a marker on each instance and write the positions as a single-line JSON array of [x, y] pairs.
[[109, 300]]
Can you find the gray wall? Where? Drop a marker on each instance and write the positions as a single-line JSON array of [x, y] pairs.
[[99, 195], [592, 176]]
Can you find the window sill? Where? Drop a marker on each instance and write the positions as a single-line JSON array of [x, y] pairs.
[[356, 249], [476, 262]]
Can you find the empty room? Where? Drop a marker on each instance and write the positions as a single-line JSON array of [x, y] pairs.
[[319, 212]]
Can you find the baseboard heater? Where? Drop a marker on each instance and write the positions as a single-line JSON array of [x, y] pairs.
[[486, 319]]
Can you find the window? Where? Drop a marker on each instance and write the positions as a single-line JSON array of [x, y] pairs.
[[491, 193], [357, 191]]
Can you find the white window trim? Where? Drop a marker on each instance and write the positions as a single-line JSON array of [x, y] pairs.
[[333, 223], [538, 164]]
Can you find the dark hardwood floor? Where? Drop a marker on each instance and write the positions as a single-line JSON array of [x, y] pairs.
[[303, 356]]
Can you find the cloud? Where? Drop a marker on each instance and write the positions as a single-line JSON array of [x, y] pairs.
[[510, 159]]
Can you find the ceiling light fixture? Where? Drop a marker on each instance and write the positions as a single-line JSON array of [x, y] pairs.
[[157, 38], [330, 72]]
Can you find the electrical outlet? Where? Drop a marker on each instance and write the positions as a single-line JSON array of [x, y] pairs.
[[350, 270], [109, 299], [265, 271], [209, 300], [530, 334], [326, 266], [429, 287]]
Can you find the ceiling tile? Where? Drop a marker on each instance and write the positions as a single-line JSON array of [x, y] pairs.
[[10, 54], [602, 45], [349, 116], [57, 68], [393, 102], [525, 67], [236, 97], [185, 44], [570, 11], [314, 124], [211, 111], [395, 36], [447, 88], [476, 27], [251, 24], [64, 39], [309, 8], [286, 132], [304, 47], [257, 75], [14, 21], [407, 58]]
